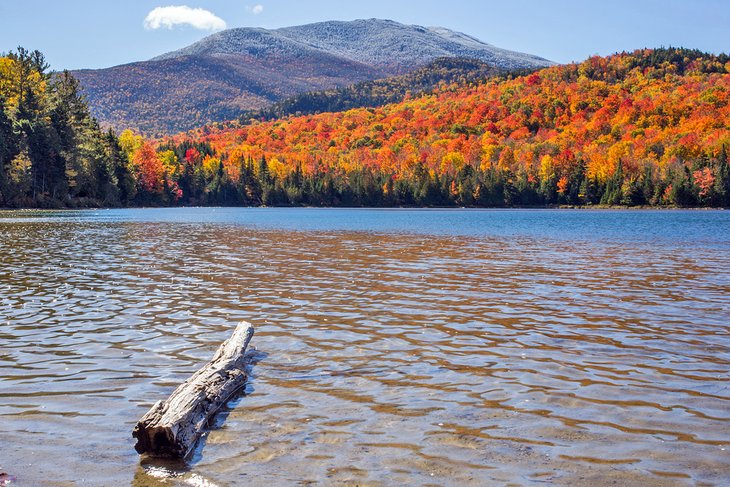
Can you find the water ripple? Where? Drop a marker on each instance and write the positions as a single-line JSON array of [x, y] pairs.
[[388, 358]]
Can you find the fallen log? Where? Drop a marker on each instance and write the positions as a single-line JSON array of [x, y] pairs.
[[171, 428]]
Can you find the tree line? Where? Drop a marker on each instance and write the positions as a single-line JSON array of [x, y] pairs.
[[203, 179]]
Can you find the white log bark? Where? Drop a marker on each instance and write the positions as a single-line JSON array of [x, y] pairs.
[[171, 428]]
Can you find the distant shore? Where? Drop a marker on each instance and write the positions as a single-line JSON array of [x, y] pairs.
[[535, 207]]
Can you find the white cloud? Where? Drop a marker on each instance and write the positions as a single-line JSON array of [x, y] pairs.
[[168, 17]]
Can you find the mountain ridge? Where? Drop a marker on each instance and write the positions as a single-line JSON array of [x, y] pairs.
[[229, 72], [369, 41]]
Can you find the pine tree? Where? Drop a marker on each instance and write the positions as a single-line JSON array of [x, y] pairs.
[[722, 180]]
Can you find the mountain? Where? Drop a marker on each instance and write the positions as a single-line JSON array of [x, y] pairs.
[[386, 44], [250, 68]]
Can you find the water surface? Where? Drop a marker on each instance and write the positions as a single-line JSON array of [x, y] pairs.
[[419, 347]]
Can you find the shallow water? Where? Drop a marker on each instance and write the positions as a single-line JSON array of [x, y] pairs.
[[394, 347]]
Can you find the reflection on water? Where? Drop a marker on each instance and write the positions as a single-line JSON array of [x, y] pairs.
[[484, 349]]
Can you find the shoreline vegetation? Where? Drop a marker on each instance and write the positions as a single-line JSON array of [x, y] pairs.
[[642, 129], [453, 207]]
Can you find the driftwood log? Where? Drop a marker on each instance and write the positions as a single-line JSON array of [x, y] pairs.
[[171, 428]]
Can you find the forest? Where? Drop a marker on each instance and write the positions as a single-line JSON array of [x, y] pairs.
[[52, 152], [651, 127]]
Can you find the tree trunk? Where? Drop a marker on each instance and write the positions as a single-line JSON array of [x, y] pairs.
[[171, 428]]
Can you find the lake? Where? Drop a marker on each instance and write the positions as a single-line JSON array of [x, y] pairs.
[[394, 347]]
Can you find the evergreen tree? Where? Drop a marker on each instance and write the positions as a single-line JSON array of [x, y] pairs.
[[613, 195], [121, 174], [722, 180]]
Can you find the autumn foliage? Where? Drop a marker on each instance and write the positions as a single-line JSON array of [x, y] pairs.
[[650, 127]]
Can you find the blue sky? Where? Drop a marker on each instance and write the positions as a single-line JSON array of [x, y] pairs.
[[99, 33]]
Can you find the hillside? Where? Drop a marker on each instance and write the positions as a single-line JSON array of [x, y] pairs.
[[226, 73], [442, 71], [647, 128], [170, 95]]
